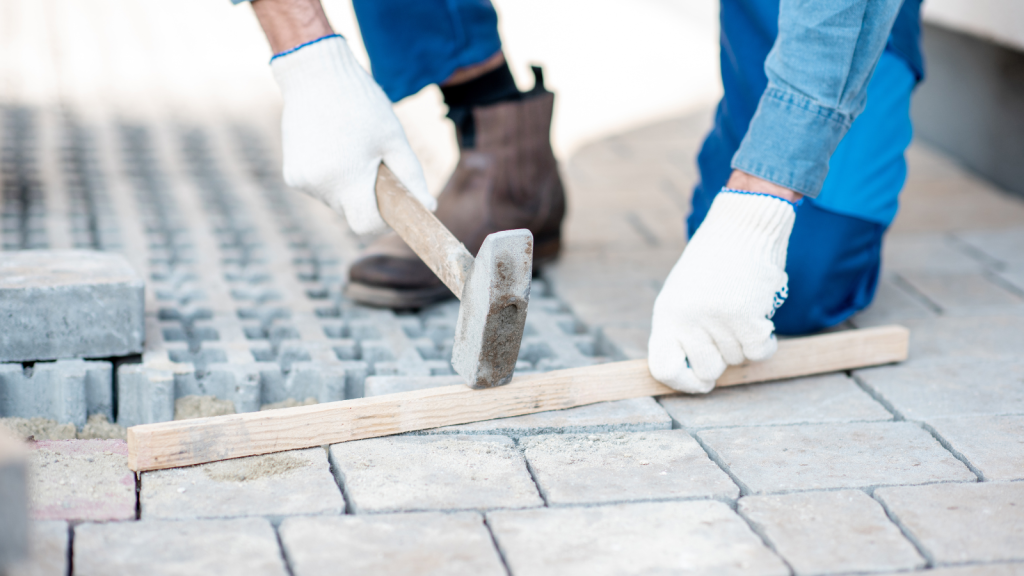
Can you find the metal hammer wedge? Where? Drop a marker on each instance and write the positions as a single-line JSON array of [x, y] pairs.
[[494, 289]]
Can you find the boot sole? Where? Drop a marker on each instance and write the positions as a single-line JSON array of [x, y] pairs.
[[415, 298]]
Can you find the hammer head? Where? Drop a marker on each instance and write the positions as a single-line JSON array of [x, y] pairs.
[[493, 311]]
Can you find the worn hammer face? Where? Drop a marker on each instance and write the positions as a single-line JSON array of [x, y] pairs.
[[493, 312]]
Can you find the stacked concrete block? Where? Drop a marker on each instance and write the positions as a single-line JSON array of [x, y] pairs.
[[69, 304], [144, 395], [67, 391]]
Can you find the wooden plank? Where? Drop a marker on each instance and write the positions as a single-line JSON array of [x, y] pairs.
[[189, 442]]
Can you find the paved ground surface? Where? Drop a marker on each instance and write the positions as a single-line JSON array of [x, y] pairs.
[[119, 134]]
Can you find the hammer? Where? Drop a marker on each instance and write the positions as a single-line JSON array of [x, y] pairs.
[[494, 289]]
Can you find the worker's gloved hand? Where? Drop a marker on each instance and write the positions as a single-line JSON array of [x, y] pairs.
[[716, 305], [336, 128]]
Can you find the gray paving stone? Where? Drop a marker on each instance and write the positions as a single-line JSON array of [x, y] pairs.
[[830, 532], [67, 391], [81, 480], [817, 456], [406, 473], [892, 304], [281, 484], [958, 523], [633, 415], [69, 304], [13, 499], [994, 445], [982, 337], [144, 395], [977, 570], [238, 547], [702, 537], [931, 251], [423, 543], [832, 398], [1003, 246], [965, 294], [935, 388], [622, 467], [48, 551]]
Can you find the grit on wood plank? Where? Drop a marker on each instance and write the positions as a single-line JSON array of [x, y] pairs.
[[189, 442]]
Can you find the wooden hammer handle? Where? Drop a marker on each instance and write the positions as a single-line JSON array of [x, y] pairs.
[[423, 232]]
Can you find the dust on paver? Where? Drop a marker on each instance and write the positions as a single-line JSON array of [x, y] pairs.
[[81, 480], [659, 537], [405, 473], [826, 532], [238, 547], [423, 543], [281, 484], [621, 467]]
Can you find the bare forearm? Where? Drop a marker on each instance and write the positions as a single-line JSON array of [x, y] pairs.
[[740, 180], [289, 23]]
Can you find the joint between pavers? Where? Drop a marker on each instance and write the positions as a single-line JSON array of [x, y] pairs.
[[900, 282], [497, 546], [949, 448], [281, 549], [531, 472], [878, 397], [713, 455], [758, 530], [995, 278], [929, 559], [339, 480]]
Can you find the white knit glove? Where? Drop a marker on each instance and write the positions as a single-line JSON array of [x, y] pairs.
[[716, 305], [337, 127]]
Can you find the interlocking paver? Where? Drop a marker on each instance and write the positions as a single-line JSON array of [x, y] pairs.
[[423, 543], [81, 480], [816, 456], [832, 398], [405, 473], [957, 523], [829, 532], [69, 304], [994, 445], [704, 537], [237, 547], [919, 390], [965, 294], [620, 467], [48, 551], [281, 484]]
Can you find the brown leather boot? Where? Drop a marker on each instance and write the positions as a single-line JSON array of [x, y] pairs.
[[508, 180]]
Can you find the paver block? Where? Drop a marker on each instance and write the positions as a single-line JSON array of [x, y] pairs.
[[636, 414], [997, 336], [1003, 246], [420, 544], [280, 484], [67, 391], [404, 473], [13, 497], [816, 456], [85, 480], [930, 251], [623, 466], [237, 547], [966, 294], [832, 398], [994, 445], [921, 390], [979, 570], [892, 304], [702, 537], [958, 523], [144, 395], [69, 304], [830, 532], [48, 551]]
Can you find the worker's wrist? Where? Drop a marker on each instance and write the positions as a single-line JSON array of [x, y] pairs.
[[289, 24], [740, 180]]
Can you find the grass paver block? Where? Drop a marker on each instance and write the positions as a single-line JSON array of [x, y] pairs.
[[920, 390], [700, 537], [829, 532], [48, 551], [406, 473], [994, 445], [817, 456], [81, 480], [237, 547], [69, 304], [280, 484], [66, 391], [418, 544], [623, 466], [833, 398], [959, 523]]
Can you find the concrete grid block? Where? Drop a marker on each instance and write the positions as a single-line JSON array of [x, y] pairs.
[[81, 480], [144, 395], [702, 537], [67, 391], [820, 456], [275, 485], [238, 547], [418, 544], [622, 467], [960, 523], [69, 304], [831, 532], [817, 399], [48, 551], [994, 445], [410, 473]]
